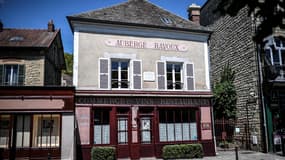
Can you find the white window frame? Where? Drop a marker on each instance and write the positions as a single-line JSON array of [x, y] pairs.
[[173, 74], [15, 68], [119, 73]]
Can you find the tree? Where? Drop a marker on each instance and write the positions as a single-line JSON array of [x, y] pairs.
[[225, 96], [271, 14], [69, 64]]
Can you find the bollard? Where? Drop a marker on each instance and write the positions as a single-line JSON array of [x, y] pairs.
[[236, 150]]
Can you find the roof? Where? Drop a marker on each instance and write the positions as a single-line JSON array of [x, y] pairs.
[[138, 13], [26, 37]]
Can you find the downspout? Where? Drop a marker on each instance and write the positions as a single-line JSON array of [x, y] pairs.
[[260, 90]]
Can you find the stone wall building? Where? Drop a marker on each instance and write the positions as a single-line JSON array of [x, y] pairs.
[[36, 113], [259, 75]]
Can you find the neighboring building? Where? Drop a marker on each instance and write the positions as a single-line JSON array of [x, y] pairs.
[[36, 114], [142, 80], [259, 74], [31, 57]]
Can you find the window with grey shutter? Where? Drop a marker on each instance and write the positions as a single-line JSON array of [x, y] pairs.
[[137, 74], [190, 76], [1, 74], [103, 64], [161, 75], [21, 78]]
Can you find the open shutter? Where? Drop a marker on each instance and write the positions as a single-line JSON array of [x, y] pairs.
[[190, 76], [161, 75], [21, 77], [137, 74], [1, 74], [104, 73]]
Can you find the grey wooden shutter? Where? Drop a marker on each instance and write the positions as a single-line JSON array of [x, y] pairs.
[[1, 74], [137, 74], [103, 73], [190, 76], [21, 77], [161, 75]]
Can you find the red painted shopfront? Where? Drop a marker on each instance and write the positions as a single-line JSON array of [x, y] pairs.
[[138, 124]]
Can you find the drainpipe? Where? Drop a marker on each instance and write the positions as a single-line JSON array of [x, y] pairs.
[[260, 90]]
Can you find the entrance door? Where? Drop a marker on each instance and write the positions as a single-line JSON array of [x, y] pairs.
[[123, 134], [146, 132]]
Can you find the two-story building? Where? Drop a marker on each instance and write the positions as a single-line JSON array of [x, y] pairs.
[[142, 80], [36, 114]]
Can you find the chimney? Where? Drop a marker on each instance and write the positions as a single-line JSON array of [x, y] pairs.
[[194, 13], [50, 26], [1, 26]]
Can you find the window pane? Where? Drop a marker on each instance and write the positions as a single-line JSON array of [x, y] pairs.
[[169, 68], [46, 130], [193, 130], [115, 84], [146, 136], [122, 130], [115, 65], [276, 59], [23, 131], [124, 75], [178, 131], [177, 68], [4, 130], [114, 75], [186, 131], [11, 74], [101, 126], [170, 131], [283, 56], [162, 132], [170, 117], [124, 84], [124, 66]]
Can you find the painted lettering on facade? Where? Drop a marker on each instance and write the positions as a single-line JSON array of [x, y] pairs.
[[137, 44]]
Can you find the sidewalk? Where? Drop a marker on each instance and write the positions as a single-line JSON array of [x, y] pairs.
[[243, 155]]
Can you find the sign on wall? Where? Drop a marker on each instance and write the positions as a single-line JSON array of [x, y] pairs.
[[138, 44]]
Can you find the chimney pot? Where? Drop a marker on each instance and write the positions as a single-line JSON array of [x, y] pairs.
[[50, 26], [194, 13]]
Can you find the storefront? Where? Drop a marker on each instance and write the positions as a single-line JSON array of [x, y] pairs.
[[139, 125], [33, 120]]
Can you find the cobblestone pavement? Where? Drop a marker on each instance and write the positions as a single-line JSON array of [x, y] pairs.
[[243, 155]]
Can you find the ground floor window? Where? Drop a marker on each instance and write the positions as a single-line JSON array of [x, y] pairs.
[[177, 125], [31, 130], [101, 126], [122, 120], [46, 132], [4, 130]]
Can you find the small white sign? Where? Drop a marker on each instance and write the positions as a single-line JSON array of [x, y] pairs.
[[148, 76]]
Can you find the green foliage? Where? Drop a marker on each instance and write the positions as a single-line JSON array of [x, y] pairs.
[[271, 14], [103, 153], [182, 151], [69, 64], [225, 96]]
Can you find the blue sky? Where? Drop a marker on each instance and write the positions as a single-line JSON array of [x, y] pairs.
[[35, 14]]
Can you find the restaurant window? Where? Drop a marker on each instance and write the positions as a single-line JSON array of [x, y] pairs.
[[174, 76], [23, 131], [5, 123], [120, 74], [101, 126], [177, 125], [46, 130], [12, 75]]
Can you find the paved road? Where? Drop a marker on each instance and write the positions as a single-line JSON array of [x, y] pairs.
[[243, 155]]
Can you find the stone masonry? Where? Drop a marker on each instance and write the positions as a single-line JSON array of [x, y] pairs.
[[231, 42]]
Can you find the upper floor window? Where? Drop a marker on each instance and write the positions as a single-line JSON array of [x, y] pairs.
[[120, 74], [11, 74], [275, 51], [174, 76]]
